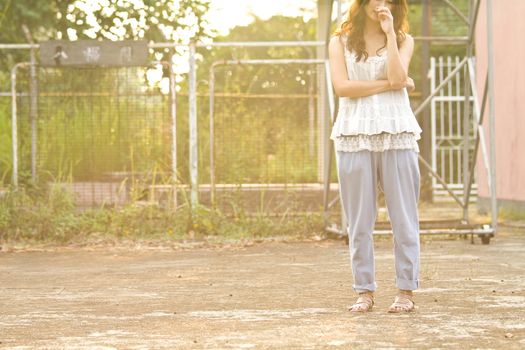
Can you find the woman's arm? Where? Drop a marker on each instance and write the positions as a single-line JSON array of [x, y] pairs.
[[398, 59], [342, 85]]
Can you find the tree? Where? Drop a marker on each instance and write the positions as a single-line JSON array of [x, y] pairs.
[[155, 20]]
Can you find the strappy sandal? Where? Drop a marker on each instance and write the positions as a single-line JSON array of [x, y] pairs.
[[364, 303], [402, 303]]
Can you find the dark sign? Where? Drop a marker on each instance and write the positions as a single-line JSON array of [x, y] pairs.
[[93, 53]]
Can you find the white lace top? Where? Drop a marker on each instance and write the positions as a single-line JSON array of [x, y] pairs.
[[377, 122], [377, 143]]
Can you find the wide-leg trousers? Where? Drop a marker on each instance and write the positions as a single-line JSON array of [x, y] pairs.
[[398, 175]]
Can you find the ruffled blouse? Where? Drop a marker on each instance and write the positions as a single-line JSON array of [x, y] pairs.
[[383, 115]]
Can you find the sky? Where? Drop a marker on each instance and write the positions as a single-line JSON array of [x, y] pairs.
[[226, 14]]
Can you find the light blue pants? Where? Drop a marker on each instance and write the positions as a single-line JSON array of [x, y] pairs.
[[399, 179]]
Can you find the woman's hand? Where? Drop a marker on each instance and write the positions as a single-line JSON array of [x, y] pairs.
[[386, 19], [410, 85]]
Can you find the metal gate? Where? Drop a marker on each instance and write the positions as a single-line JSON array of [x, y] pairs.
[[447, 113]]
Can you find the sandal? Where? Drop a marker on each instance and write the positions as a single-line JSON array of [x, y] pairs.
[[364, 303], [402, 303]]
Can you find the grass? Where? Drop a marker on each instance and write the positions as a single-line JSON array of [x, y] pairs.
[[50, 216], [511, 214]]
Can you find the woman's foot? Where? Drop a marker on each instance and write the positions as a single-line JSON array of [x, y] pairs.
[[364, 303], [403, 302]]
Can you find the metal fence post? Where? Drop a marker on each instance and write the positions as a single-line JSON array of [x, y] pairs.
[[173, 112], [492, 125], [193, 126]]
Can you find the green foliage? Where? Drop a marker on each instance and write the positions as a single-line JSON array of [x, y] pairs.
[[511, 213], [150, 19], [443, 22], [264, 131], [50, 216], [153, 20]]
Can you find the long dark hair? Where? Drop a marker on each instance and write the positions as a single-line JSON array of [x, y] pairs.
[[354, 24]]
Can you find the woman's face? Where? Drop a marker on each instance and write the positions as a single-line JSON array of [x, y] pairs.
[[372, 5]]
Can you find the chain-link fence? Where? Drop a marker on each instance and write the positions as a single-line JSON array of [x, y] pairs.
[[111, 137], [105, 134]]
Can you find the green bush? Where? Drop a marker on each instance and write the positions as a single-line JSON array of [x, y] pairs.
[[50, 216]]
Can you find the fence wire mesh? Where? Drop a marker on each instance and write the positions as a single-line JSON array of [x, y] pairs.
[[105, 134], [267, 140]]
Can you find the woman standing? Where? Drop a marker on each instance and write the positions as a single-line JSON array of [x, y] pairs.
[[375, 137]]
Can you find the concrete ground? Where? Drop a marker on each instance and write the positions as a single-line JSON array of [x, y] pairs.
[[269, 295]]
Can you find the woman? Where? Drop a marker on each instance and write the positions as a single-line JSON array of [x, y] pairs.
[[375, 136]]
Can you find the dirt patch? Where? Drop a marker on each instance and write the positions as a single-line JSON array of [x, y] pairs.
[[269, 295]]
